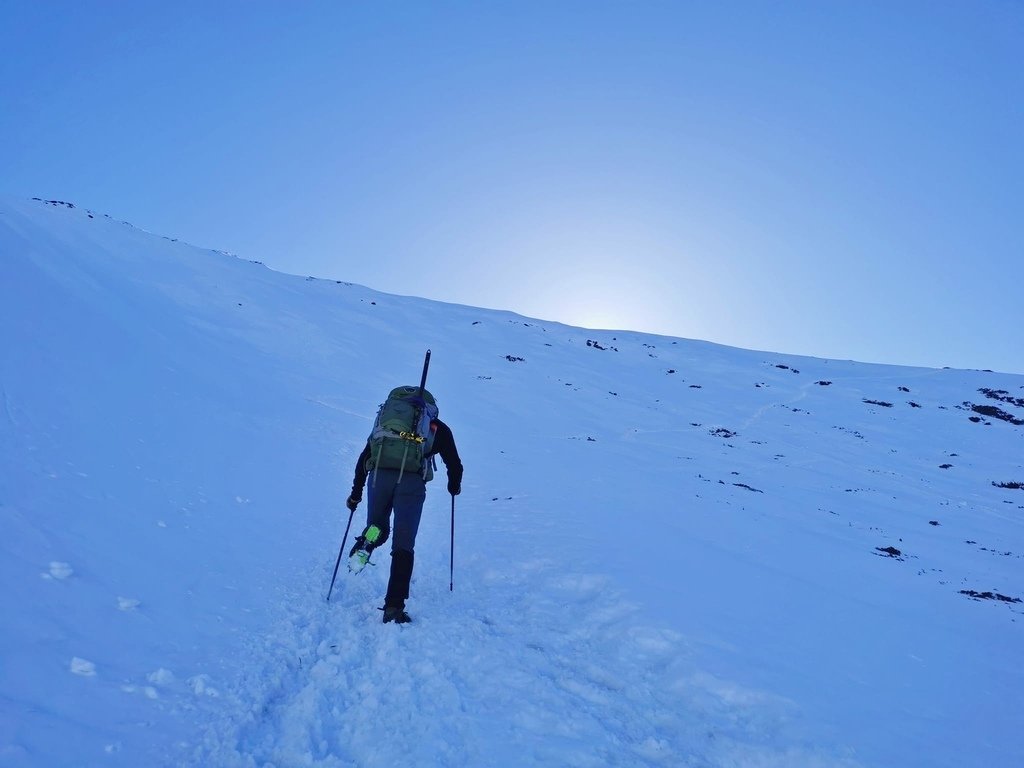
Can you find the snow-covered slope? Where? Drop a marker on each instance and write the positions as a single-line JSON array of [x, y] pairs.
[[667, 552]]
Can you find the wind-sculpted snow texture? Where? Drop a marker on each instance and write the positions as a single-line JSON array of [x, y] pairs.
[[668, 552]]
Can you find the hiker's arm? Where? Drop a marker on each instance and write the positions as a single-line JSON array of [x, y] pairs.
[[360, 477], [444, 442]]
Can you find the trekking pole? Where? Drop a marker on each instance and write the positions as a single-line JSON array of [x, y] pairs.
[[340, 551], [451, 567]]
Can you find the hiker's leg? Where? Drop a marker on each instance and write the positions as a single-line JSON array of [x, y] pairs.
[[408, 508], [407, 501], [379, 503], [401, 576]]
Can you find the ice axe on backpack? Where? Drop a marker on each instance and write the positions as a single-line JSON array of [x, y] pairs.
[[423, 378]]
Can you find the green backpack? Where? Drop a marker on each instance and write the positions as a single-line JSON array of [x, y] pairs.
[[401, 437]]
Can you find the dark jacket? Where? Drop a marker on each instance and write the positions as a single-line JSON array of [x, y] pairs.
[[444, 444]]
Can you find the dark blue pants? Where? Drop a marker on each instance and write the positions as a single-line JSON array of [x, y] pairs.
[[405, 499]]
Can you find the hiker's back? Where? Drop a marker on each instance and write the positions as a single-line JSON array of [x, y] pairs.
[[401, 437]]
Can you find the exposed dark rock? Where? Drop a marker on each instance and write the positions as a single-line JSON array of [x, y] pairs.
[[744, 485], [1002, 396], [995, 413], [989, 596]]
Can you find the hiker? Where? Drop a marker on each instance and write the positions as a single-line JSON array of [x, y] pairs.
[[398, 459]]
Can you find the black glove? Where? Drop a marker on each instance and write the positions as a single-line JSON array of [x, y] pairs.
[[353, 501], [454, 487]]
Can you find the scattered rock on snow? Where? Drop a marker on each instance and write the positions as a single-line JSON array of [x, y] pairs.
[[1002, 396], [995, 413], [990, 596], [749, 488]]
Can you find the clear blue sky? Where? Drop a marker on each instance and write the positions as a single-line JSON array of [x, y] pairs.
[[838, 179]]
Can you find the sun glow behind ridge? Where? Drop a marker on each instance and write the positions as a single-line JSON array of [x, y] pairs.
[[604, 271]]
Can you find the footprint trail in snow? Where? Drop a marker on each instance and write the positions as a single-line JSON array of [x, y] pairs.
[[527, 666]]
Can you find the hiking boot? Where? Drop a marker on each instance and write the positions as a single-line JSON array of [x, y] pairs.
[[396, 614]]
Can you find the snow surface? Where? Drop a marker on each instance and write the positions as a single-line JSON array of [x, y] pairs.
[[668, 552]]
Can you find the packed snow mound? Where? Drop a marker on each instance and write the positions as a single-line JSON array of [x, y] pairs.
[[667, 552]]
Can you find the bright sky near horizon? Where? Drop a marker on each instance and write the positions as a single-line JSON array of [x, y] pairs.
[[840, 179]]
